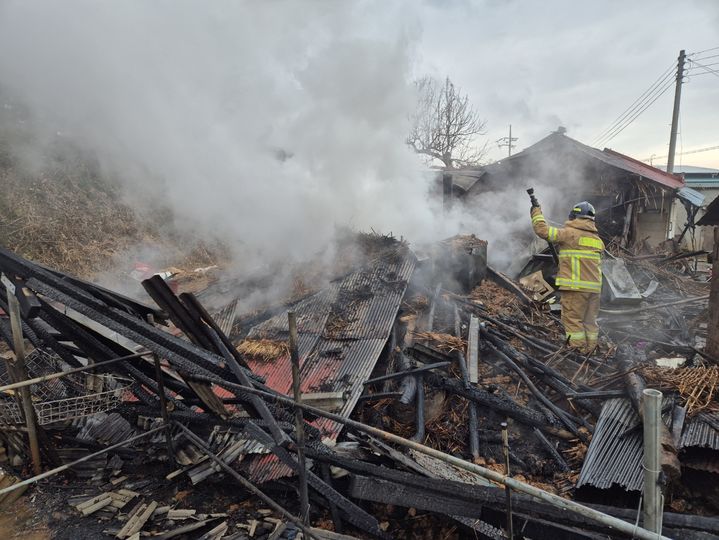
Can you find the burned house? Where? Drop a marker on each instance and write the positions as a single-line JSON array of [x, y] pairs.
[[633, 200], [417, 402]]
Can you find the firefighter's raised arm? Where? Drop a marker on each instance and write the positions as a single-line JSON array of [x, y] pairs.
[[541, 229]]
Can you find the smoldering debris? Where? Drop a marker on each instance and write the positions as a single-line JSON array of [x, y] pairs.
[[200, 438]]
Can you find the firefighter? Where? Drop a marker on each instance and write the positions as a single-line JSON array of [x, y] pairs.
[[580, 274]]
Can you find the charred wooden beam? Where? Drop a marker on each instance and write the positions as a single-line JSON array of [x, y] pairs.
[[406, 373], [551, 450], [468, 500], [425, 354], [380, 395], [163, 296], [355, 515], [539, 395], [470, 375], [196, 307], [419, 410], [501, 405]]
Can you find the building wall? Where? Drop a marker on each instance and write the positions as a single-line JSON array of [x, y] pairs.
[[703, 238], [653, 225]]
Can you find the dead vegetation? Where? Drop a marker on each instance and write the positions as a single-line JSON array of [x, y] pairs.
[[697, 386], [265, 350], [60, 208], [444, 342]]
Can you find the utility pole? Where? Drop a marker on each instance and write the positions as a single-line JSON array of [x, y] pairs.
[[675, 113], [508, 141]]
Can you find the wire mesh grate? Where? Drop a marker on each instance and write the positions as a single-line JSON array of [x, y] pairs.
[[62, 399]]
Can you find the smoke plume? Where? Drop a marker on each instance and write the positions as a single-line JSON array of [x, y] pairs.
[[264, 124]]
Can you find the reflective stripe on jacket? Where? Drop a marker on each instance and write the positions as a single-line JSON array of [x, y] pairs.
[[580, 252]]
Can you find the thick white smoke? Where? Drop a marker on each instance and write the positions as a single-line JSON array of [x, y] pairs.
[[263, 123]]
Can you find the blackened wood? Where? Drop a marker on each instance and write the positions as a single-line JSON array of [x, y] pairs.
[[499, 404], [419, 410], [190, 299], [407, 373], [354, 513], [712, 346], [536, 392], [163, 296], [551, 450], [336, 518], [468, 500]]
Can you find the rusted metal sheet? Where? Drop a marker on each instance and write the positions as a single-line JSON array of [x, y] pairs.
[[342, 332], [611, 157]]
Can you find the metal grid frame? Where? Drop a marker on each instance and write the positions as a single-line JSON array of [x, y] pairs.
[[59, 410]]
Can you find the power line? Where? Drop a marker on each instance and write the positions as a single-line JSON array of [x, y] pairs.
[[707, 149], [707, 68], [705, 65], [705, 50], [704, 58], [647, 94], [619, 128]]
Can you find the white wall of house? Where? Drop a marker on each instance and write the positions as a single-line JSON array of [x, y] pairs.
[[653, 224]]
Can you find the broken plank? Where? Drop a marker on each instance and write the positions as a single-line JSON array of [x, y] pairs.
[[279, 529], [181, 514], [99, 502], [501, 404], [184, 529], [216, 532], [330, 535], [138, 520]]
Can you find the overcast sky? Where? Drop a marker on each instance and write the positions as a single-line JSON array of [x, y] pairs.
[[580, 64]]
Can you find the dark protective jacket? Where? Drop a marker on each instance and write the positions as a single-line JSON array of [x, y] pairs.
[[580, 252]]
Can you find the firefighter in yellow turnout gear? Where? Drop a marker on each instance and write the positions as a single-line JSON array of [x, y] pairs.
[[580, 274]]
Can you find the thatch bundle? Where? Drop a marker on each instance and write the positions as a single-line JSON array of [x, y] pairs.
[[443, 342], [265, 350]]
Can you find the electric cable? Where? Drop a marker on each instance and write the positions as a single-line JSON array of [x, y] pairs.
[[705, 50], [708, 69], [636, 115], [706, 149], [703, 58], [637, 102]]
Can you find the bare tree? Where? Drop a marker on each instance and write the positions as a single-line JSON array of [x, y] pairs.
[[445, 126]]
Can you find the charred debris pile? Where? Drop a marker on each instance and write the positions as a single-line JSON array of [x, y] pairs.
[[421, 396]]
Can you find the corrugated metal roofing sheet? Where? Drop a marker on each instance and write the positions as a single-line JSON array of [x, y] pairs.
[[611, 458], [342, 331], [629, 164], [225, 318], [698, 433], [692, 196]]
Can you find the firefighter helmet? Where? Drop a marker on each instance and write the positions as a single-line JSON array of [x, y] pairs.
[[582, 210]]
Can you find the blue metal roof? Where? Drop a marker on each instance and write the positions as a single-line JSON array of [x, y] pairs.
[[690, 195]]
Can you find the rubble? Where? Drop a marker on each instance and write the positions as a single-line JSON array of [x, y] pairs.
[[175, 422]]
